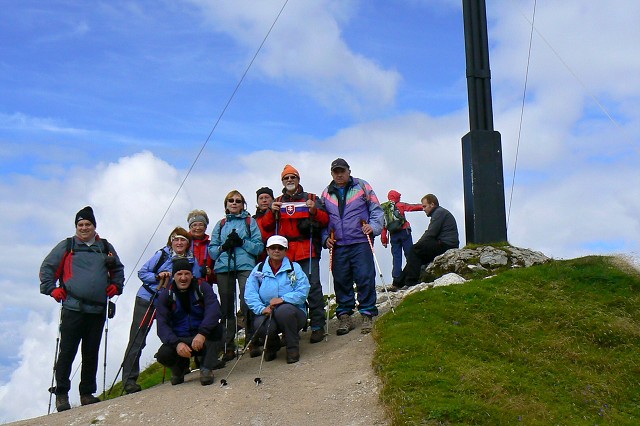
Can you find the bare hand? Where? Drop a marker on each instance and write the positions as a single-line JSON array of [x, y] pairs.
[[275, 206], [367, 229], [198, 342], [183, 350], [330, 243], [276, 301]]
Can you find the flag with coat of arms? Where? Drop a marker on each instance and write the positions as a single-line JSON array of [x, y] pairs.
[[294, 210]]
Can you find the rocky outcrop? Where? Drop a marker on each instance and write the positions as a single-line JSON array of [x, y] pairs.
[[481, 261]]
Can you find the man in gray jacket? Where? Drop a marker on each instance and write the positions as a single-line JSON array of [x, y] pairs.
[[89, 272], [440, 236]]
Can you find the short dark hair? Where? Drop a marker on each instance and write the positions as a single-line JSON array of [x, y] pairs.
[[431, 199]]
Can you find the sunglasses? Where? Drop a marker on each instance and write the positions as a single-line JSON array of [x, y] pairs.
[[235, 200], [277, 248], [290, 177]]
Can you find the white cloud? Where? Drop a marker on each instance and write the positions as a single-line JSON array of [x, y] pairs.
[[306, 48]]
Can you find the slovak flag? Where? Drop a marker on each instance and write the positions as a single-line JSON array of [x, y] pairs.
[[295, 210]]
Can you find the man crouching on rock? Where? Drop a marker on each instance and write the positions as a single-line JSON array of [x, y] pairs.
[[188, 324]]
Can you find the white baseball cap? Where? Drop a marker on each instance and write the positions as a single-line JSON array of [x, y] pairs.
[[277, 240]]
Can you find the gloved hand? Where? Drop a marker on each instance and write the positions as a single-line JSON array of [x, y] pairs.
[[60, 294], [233, 240], [236, 241], [112, 290]]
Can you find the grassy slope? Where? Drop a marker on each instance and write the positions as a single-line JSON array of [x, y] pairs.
[[551, 344]]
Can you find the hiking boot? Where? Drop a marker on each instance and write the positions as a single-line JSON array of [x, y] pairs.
[[316, 336], [229, 355], [132, 387], [88, 399], [206, 376], [345, 325], [393, 288], [254, 350], [271, 348], [293, 356], [177, 375], [62, 403], [367, 324]]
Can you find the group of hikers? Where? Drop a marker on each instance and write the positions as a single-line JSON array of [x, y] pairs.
[[273, 257]]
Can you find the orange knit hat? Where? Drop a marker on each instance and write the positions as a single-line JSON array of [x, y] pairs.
[[289, 170]]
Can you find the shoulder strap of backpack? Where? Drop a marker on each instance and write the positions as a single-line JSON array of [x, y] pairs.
[[163, 258], [247, 221]]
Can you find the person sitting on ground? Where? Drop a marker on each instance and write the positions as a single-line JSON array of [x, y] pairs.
[[188, 324], [153, 272], [198, 222], [440, 236], [264, 198], [90, 273], [302, 223], [400, 239], [236, 242], [276, 292]]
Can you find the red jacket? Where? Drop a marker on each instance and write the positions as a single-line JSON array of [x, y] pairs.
[[267, 229], [200, 250], [300, 247]]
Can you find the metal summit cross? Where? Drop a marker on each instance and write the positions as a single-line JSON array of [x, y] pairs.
[[485, 218]]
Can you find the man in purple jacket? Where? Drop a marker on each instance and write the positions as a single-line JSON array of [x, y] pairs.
[[355, 216], [188, 324]]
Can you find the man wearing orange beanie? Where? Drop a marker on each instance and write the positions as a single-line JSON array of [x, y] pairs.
[[295, 216]]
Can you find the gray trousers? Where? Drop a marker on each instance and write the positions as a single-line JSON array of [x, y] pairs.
[[315, 299], [287, 319], [131, 363]]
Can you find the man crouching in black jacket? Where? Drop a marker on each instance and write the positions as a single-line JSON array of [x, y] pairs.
[[188, 324]]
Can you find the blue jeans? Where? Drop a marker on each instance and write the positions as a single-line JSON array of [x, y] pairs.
[[400, 241]]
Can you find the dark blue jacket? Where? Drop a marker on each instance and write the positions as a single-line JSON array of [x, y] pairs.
[[174, 321]]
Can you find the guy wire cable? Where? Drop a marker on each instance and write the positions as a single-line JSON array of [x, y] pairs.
[[224, 109], [524, 96]]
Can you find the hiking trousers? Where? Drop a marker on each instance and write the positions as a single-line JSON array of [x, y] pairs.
[[229, 301], [131, 364], [315, 299], [354, 263], [287, 319], [423, 253], [77, 327], [168, 356], [400, 241]]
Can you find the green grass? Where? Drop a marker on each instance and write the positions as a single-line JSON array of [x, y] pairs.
[[551, 344]]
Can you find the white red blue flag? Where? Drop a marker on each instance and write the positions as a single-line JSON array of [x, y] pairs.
[[295, 210]]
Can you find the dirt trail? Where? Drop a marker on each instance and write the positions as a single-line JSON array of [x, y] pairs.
[[332, 384]]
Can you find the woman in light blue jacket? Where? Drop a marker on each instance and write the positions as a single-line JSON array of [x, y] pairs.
[[276, 293], [236, 242]]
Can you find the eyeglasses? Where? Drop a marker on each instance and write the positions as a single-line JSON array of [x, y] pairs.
[[290, 177], [277, 248], [235, 200]]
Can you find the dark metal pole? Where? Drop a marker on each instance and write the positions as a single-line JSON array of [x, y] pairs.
[[485, 218]]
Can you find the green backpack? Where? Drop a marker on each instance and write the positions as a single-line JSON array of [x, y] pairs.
[[393, 219]]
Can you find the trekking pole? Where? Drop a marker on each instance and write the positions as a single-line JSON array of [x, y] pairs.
[[52, 388], [326, 336], [135, 337], [106, 342], [258, 380], [236, 295], [223, 382], [375, 258]]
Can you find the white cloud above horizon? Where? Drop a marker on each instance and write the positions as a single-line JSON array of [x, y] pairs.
[[120, 130]]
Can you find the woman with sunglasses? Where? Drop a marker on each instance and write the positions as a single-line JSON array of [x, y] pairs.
[[236, 242], [276, 292], [155, 270]]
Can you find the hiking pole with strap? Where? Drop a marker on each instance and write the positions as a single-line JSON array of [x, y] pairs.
[[326, 336], [223, 382], [162, 284], [258, 380], [375, 258], [106, 342], [52, 388], [235, 302]]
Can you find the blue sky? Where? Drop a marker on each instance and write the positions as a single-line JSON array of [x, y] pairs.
[[109, 103]]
